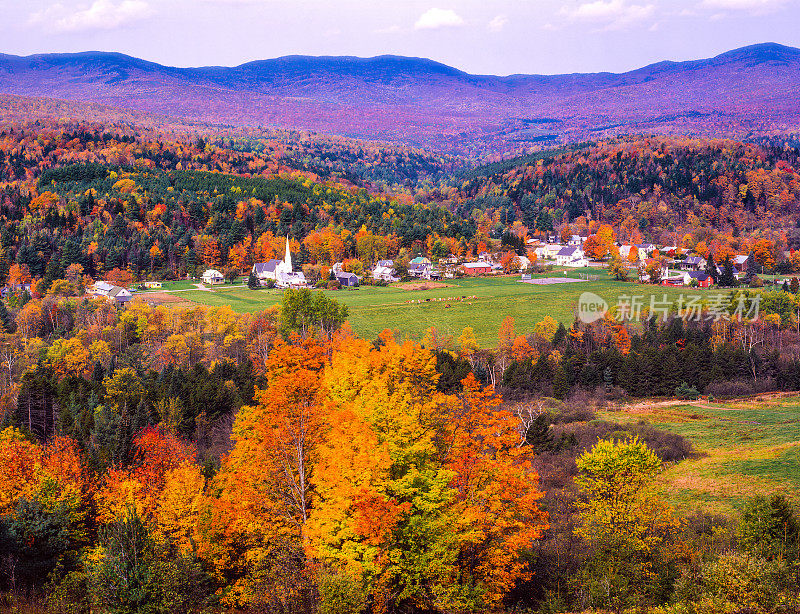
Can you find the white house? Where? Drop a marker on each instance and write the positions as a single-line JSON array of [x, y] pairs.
[[572, 257], [576, 241], [524, 263], [384, 271], [212, 277]]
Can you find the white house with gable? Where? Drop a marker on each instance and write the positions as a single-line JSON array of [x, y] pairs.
[[572, 257]]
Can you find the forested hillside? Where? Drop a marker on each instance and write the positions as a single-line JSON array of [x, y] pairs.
[[669, 191], [164, 208]]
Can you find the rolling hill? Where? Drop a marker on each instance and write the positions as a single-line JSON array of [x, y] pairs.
[[422, 102]]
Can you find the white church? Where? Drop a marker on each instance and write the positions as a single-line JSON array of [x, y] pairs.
[[280, 271]]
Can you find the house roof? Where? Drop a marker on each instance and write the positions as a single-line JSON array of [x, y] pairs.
[[266, 267], [477, 265], [103, 286], [698, 275], [386, 263], [420, 260], [694, 260], [740, 259], [212, 273], [567, 251], [345, 275]]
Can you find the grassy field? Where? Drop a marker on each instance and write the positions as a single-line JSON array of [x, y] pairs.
[[413, 311], [746, 448]]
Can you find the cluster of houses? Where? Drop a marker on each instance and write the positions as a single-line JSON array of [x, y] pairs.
[[680, 268]]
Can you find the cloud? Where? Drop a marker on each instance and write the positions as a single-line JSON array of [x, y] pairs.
[[101, 15], [610, 14], [498, 23], [752, 6], [434, 19]]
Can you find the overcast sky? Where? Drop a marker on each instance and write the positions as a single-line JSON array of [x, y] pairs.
[[479, 36]]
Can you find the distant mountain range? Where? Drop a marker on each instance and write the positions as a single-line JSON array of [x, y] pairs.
[[418, 101]]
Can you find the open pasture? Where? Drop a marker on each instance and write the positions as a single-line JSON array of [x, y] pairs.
[[745, 448], [413, 311]]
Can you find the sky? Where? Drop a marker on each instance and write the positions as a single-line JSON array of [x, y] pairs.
[[479, 36]]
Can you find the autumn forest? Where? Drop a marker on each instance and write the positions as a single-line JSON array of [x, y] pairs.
[[161, 456]]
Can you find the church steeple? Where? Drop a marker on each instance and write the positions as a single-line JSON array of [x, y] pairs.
[[287, 260]]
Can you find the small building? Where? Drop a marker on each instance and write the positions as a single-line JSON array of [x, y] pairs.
[[213, 277], [152, 285], [384, 271], [524, 263], [702, 278], [119, 295], [692, 263], [101, 288], [347, 279], [551, 250], [419, 269], [291, 279], [477, 268], [576, 241], [571, 257], [741, 262]]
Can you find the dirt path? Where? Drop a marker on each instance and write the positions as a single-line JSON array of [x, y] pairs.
[[645, 406]]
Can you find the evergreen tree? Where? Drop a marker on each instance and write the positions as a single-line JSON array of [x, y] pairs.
[[711, 268], [727, 279], [752, 268], [539, 435], [560, 335], [252, 281], [561, 383]]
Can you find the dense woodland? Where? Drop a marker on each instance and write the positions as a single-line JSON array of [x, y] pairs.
[[167, 208], [175, 459]]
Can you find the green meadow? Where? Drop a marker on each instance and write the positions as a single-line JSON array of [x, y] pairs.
[[491, 299], [744, 448]]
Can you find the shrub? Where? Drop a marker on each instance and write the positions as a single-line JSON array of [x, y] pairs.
[[770, 528], [686, 392], [334, 285], [341, 593]]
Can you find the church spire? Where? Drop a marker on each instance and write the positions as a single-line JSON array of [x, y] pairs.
[[287, 260]]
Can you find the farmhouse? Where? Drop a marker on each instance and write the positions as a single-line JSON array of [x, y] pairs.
[[692, 263], [702, 278], [571, 256], [384, 271], [419, 267], [212, 277]]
